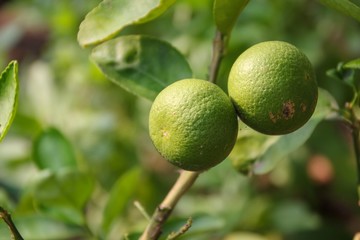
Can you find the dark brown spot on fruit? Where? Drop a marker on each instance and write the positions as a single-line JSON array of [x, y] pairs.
[[288, 110]]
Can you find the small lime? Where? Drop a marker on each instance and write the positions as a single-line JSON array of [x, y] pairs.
[[273, 87], [193, 124]]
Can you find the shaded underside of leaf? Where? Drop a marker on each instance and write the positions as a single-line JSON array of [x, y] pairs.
[[344, 6], [111, 16], [226, 13], [249, 146], [8, 97], [141, 65]]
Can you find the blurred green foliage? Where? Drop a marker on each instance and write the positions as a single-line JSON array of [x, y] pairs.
[[9, 88], [78, 153]]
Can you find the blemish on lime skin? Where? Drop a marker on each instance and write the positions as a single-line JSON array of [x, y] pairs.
[[165, 134], [288, 110], [273, 117]]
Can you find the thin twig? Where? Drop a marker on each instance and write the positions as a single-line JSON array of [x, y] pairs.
[[142, 210], [183, 183], [15, 234], [182, 230]]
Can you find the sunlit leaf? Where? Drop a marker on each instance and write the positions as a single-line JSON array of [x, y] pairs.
[[344, 6], [260, 153], [111, 16], [53, 151], [8, 97], [353, 64], [142, 65], [120, 195], [226, 13], [63, 194]]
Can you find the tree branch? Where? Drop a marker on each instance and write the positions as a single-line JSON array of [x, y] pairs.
[[15, 235], [183, 183]]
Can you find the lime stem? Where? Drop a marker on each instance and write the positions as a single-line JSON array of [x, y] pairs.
[[15, 235], [217, 55], [163, 211]]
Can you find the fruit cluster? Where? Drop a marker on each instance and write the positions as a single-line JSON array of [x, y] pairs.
[[272, 88]]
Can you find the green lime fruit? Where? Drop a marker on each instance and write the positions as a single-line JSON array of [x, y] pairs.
[[273, 87], [193, 124]]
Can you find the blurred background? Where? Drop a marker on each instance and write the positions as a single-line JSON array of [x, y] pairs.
[[69, 112]]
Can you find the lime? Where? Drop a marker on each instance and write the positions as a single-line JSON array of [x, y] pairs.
[[273, 87], [193, 124]]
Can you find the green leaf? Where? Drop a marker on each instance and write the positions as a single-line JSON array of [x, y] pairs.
[[63, 194], [347, 73], [249, 146], [334, 73], [201, 224], [353, 64], [132, 236], [344, 6], [226, 13], [120, 196], [297, 214], [53, 151], [260, 153], [40, 227], [141, 65], [111, 16], [8, 97]]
